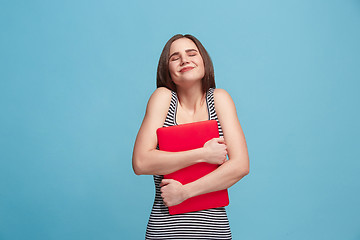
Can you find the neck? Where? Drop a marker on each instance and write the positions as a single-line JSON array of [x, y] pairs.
[[191, 98]]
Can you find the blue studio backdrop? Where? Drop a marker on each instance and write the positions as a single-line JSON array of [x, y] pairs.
[[75, 78]]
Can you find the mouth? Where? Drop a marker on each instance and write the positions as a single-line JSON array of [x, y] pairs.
[[185, 69]]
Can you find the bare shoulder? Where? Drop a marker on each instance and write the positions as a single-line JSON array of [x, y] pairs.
[[160, 93], [223, 100], [221, 94], [162, 90], [154, 118], [159, 100], [232, 130], [225, 110]]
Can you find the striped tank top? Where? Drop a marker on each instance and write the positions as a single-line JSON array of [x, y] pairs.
[[205, 224]]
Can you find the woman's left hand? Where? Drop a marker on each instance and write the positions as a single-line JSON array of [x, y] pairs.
[[172, 192]]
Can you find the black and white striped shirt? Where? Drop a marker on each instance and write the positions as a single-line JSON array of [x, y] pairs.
[[206, 224]]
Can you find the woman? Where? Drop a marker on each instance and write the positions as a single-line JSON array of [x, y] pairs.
[[186, 93]]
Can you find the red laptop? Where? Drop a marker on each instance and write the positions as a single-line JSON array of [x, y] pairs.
[[186, 137]]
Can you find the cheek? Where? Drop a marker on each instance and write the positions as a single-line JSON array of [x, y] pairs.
[[201, 64], [172, 69], [202, 67]]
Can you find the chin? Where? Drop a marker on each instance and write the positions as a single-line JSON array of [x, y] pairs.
[[192, 78], [187, 82]]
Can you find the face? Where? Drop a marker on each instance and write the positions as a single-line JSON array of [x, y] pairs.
[[185, 62]]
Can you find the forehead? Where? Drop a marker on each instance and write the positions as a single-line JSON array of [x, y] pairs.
[[181, 45]]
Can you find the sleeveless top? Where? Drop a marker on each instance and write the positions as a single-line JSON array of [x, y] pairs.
[[205, 224]]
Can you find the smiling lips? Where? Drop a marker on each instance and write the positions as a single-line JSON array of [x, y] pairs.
[[185, 69]]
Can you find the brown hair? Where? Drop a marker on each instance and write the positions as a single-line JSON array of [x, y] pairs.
[[163, 75]]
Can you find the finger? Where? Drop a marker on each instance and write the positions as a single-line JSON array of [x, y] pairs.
[[221, 140], [165, 182]]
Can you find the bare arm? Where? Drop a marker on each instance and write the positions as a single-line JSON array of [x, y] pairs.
[[147, 160], [228, 173]]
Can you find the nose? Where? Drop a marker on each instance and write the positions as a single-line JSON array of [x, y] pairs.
[[184, 59]]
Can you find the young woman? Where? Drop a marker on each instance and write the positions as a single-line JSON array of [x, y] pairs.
[[186, 93]]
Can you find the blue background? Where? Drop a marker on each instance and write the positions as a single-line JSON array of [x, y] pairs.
[[75, 80]]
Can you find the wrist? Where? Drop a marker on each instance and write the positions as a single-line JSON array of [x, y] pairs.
[[203, 154], [188, 191]]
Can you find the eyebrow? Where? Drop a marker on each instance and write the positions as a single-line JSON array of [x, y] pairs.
[[187, 50]]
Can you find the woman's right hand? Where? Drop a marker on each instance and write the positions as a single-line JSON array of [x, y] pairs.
[[215, 151]]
